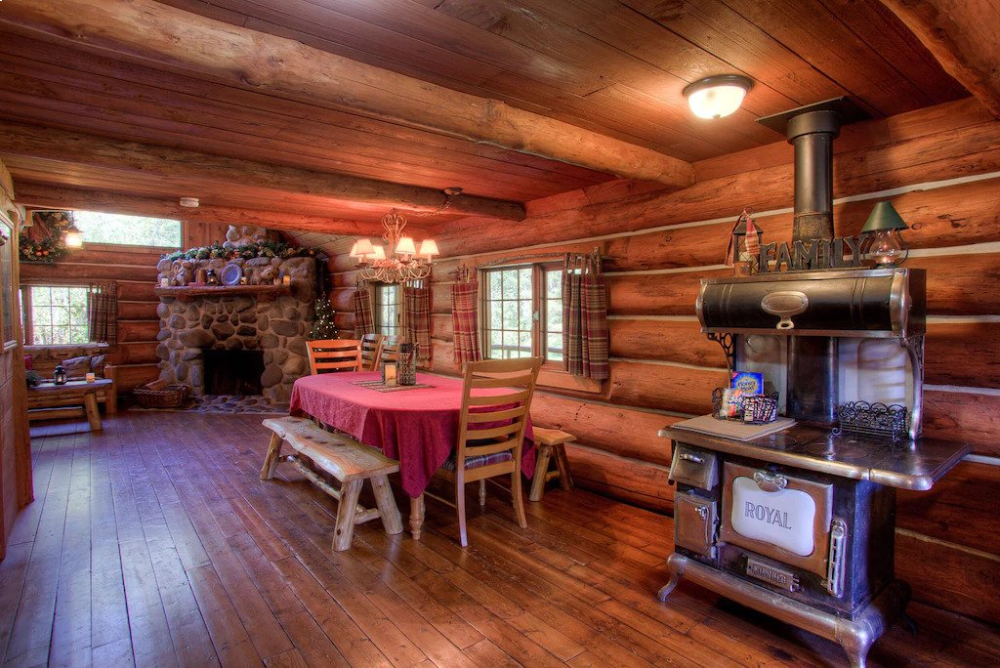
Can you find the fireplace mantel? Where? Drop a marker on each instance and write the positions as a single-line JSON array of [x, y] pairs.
[[191, 292]]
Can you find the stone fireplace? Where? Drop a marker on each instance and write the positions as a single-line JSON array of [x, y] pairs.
[[241, 318]]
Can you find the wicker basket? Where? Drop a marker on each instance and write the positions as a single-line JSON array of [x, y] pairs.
[[160, 395]]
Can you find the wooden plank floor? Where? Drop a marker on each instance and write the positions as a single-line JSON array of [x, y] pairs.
[[154, 543]]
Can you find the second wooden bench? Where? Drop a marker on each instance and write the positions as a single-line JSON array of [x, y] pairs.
[[347, 460]]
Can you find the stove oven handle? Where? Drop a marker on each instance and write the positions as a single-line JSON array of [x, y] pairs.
[[770, 482]]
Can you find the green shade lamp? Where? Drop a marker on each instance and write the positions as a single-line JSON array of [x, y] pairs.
[[884, 226]]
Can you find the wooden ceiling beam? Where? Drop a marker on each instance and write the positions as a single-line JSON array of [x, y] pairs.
[[39, 195], [70, 147], [283, 67], [962, 37]]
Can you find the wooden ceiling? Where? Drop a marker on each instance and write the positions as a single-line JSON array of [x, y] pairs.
[[615, 68]]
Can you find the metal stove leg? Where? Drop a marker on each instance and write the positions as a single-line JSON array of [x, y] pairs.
[[675, 563]]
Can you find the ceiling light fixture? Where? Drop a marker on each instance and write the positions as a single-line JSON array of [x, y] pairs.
[[190, 202], [400, 260], [717, 96]]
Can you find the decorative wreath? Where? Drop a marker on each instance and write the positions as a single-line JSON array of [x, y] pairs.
[[43, 241]]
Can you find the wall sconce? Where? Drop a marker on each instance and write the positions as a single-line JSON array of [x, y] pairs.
[[718, 96], [73, 237], [884, 227]]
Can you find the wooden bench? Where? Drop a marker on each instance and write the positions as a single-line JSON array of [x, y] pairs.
[[340, 456], [551, 445]]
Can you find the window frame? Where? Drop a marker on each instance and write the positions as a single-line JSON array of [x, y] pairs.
[[539, 309], [28, 316], [379, 289]]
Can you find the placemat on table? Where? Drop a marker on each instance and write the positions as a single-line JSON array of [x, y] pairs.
[[740, 431], [379, 386]]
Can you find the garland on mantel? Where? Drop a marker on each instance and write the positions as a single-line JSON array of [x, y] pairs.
[[247, 252]]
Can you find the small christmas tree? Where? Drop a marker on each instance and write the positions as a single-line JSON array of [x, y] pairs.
[[323, 327]]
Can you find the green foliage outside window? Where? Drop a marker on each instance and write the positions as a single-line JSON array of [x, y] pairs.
[[110, 228]]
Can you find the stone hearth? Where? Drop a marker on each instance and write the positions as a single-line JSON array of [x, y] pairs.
[[278, 327]]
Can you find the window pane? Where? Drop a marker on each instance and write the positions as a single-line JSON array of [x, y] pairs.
[[109, 228], [553, 284], [524, 278], [494, 280], [553, 316], [554, 347], [510, 284], [525, 314], [59, 314], [509, 315], [524, 345]]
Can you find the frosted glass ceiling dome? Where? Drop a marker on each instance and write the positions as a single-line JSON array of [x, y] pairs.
[[717, 97]]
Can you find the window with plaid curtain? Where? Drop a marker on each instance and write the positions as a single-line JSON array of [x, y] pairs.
[[585, 314], [465, 317], [364, 320], [102, 311], [417, 302]]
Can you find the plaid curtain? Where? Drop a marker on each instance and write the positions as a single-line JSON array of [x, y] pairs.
[[102, 311], [417, 302], [364, 320], [465, 317], [585, 313]]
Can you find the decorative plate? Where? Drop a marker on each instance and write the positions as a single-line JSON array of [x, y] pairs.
[[231, 274]]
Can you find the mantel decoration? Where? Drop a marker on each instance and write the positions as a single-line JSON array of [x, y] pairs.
[[217, 251], [51, 235], [399, 261]]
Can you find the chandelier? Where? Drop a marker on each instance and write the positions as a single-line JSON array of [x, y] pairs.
[[399, 261]]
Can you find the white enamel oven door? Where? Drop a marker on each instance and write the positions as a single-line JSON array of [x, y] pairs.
[[782, 517]]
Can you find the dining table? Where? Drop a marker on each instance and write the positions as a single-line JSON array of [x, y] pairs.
[[416, 425]]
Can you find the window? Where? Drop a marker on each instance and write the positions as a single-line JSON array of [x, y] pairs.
[[387, 306], [522, 312], [110, 228], [55, 314]]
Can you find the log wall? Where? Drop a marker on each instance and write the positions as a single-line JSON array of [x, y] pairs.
[[941, 169]]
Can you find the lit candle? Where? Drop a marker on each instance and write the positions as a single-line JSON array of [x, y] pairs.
[[286, 279], [91, 378], [390, 374]]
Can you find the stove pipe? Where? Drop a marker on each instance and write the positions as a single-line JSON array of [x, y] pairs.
[[813, 361]]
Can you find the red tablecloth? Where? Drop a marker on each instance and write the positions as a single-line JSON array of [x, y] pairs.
[[418, 427]]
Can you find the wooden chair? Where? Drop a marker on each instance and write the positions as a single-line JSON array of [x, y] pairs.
[[551, 447], [390, 349], [492, 451], [371, 351], [334, 355], [343, 458]]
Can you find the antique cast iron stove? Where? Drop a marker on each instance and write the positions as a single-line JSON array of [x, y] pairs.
[[800, 523]]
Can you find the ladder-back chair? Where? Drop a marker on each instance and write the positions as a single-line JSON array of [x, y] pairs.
[[371, 351], [496, 398], [334, 355]]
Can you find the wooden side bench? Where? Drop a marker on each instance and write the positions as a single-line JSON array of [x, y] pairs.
[[350, 462], [551, 445]]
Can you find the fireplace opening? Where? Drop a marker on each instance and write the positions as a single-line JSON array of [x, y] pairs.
[[233, 371]]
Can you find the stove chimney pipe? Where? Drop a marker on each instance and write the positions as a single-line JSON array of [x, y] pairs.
[[813, 361]]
